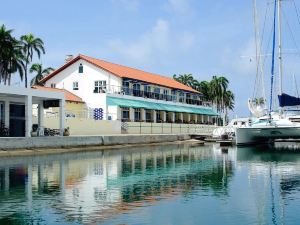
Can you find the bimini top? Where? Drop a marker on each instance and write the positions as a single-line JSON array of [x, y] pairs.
[[126, 72], [122, 102]]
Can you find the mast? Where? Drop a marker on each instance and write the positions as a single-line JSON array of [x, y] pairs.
[[279, 47]]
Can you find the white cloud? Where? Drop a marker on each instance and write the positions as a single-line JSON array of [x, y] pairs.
[[147, 45], [158, 44]]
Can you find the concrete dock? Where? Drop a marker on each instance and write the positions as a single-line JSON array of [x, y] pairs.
[[84, 141]]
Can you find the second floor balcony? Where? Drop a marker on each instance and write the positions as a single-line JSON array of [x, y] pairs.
[[180, 97]]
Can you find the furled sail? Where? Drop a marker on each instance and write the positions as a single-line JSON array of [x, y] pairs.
[[288, 100], [257, 109]]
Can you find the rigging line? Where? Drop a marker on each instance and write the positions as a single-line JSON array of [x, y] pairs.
[[273, 57], [261, 43], [295, 6], [263, 59], [292, 34], [256, 44]]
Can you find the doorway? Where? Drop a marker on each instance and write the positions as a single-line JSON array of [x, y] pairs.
[[17, 120]]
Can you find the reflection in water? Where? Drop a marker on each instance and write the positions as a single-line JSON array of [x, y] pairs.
[[112, 186]]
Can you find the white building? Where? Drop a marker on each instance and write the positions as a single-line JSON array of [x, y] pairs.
[[16, 109], [128, 94]]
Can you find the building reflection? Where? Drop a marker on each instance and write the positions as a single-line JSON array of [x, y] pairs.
[[89, 187]]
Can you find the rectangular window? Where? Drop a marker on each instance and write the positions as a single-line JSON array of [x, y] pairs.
[[174, 95], [157, 93], [181, 96], [137, 90], [137, 115], [100, 86], [148, 116], [53, 85], [125, 114], [80, 69], [126, 89], [75, 86], [1, 112], [166, 94]]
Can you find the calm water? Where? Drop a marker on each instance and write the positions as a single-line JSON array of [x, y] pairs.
[[174, 184]]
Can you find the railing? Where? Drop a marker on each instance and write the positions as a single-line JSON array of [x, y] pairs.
[[112, 89], [166, 128]]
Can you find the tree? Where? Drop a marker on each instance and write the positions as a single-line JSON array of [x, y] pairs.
[[40, 73], [11, 57], [30, 46], [186, 79]]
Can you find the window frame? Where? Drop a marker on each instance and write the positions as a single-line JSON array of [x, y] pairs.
[[100, 86], [75, 85], [80, 68]]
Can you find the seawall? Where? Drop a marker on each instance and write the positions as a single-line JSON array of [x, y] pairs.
[[84, 141]]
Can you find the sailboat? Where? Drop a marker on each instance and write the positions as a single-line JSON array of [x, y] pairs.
[[274, 124]]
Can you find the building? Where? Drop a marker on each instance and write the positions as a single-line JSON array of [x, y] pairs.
[[128, 94], [16, 109]]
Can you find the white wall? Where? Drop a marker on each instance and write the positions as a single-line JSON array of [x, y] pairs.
[[86, 81], [84, 126]]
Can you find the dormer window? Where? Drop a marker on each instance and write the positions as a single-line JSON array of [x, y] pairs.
[[53, 85], [80, 69]]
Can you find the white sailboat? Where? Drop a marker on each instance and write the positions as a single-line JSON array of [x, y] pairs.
[[274, 124]]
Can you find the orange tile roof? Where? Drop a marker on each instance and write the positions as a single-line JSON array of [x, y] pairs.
[[68, 95], [126, 72]]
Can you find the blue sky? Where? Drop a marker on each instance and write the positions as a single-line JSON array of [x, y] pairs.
[[166, 37]]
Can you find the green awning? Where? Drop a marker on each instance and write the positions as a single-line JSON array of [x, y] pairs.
[[122, 102]]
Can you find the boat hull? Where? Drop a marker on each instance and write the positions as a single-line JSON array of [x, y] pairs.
[[257, 135]]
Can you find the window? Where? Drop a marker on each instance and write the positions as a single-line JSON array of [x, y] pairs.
[[1, 112], [147, 91], [75, 86], [80, 69], [174, 95], [125, 114], [148, 116], [136, 90], [126, 89], [100, 86], [156, 93], [53, 85], [181, 96], [137, 114], [166, 94]]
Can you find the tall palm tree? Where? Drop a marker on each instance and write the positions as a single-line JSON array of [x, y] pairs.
[[205, 89], [11, 57], [40, 73], [186, 79], [31, 45]]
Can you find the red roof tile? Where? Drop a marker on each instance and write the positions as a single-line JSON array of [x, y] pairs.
[[126, 72], [68, 95]]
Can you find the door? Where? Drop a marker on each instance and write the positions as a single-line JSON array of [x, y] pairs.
[[1, 112], [17, 120]]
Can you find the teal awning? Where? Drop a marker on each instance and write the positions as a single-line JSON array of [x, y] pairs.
[[122, 102]]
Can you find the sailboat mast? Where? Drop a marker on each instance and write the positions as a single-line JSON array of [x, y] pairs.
[[279, 47]]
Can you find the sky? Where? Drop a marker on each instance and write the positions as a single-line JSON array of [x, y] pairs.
[[201, 37]]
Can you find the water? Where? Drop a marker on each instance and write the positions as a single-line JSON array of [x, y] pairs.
[[169, 184]]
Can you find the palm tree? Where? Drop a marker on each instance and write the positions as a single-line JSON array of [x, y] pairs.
[[205, 89], [31, 45], [11, 57], [40, 73], [186, 79], [229, 100]]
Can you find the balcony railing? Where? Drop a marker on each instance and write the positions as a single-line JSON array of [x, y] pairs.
[[153, 95]]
